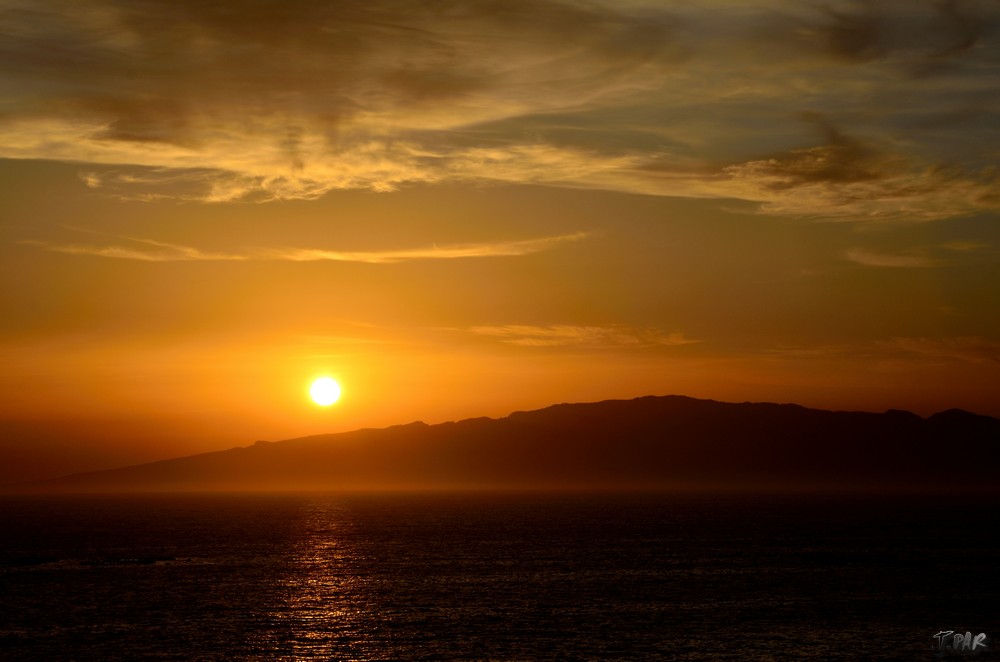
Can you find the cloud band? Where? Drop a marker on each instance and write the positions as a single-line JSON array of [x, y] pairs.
[[147, 250], [276, 100]]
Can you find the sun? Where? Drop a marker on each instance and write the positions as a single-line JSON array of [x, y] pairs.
[[324, 391]]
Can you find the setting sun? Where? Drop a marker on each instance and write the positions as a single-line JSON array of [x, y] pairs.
[[324, 391]]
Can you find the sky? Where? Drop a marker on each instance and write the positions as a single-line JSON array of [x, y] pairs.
[[462, 209]]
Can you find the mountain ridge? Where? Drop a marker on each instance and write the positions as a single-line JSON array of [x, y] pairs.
[[657, 442]]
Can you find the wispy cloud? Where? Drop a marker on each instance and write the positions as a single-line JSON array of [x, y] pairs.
[[947, 349], [889, 260], [497, 249], [144, 250], [148, 250], [567, 335], [836, 110], [969, 349], [965, 246]]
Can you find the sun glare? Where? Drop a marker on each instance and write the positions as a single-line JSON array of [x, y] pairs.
[[324, 391]]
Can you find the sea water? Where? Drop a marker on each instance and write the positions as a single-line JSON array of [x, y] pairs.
[[494, 577]]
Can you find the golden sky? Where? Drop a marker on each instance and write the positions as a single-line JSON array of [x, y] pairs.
[[464, 209]]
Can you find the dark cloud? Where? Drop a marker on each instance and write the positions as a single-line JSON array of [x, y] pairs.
[[840, 159], [916, 32]]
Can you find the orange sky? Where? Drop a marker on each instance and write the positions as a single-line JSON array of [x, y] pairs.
[[468, 210]]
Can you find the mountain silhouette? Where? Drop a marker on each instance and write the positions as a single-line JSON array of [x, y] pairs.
[[649, 442]]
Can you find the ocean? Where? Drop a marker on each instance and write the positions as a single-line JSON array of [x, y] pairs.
[[496, 576]]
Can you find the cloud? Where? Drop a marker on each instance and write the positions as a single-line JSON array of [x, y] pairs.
[[565, 335], [844, 180], [964, 246], [949, 253], [867, 31], [967, 349], [963, 349], [870, 259], [498, 249], [274, 100], [148, 250]]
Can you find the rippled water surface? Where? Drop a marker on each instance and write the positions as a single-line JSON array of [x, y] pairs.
[[493, 576]]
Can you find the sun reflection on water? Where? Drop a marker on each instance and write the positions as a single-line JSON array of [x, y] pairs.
[[323, 611]]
